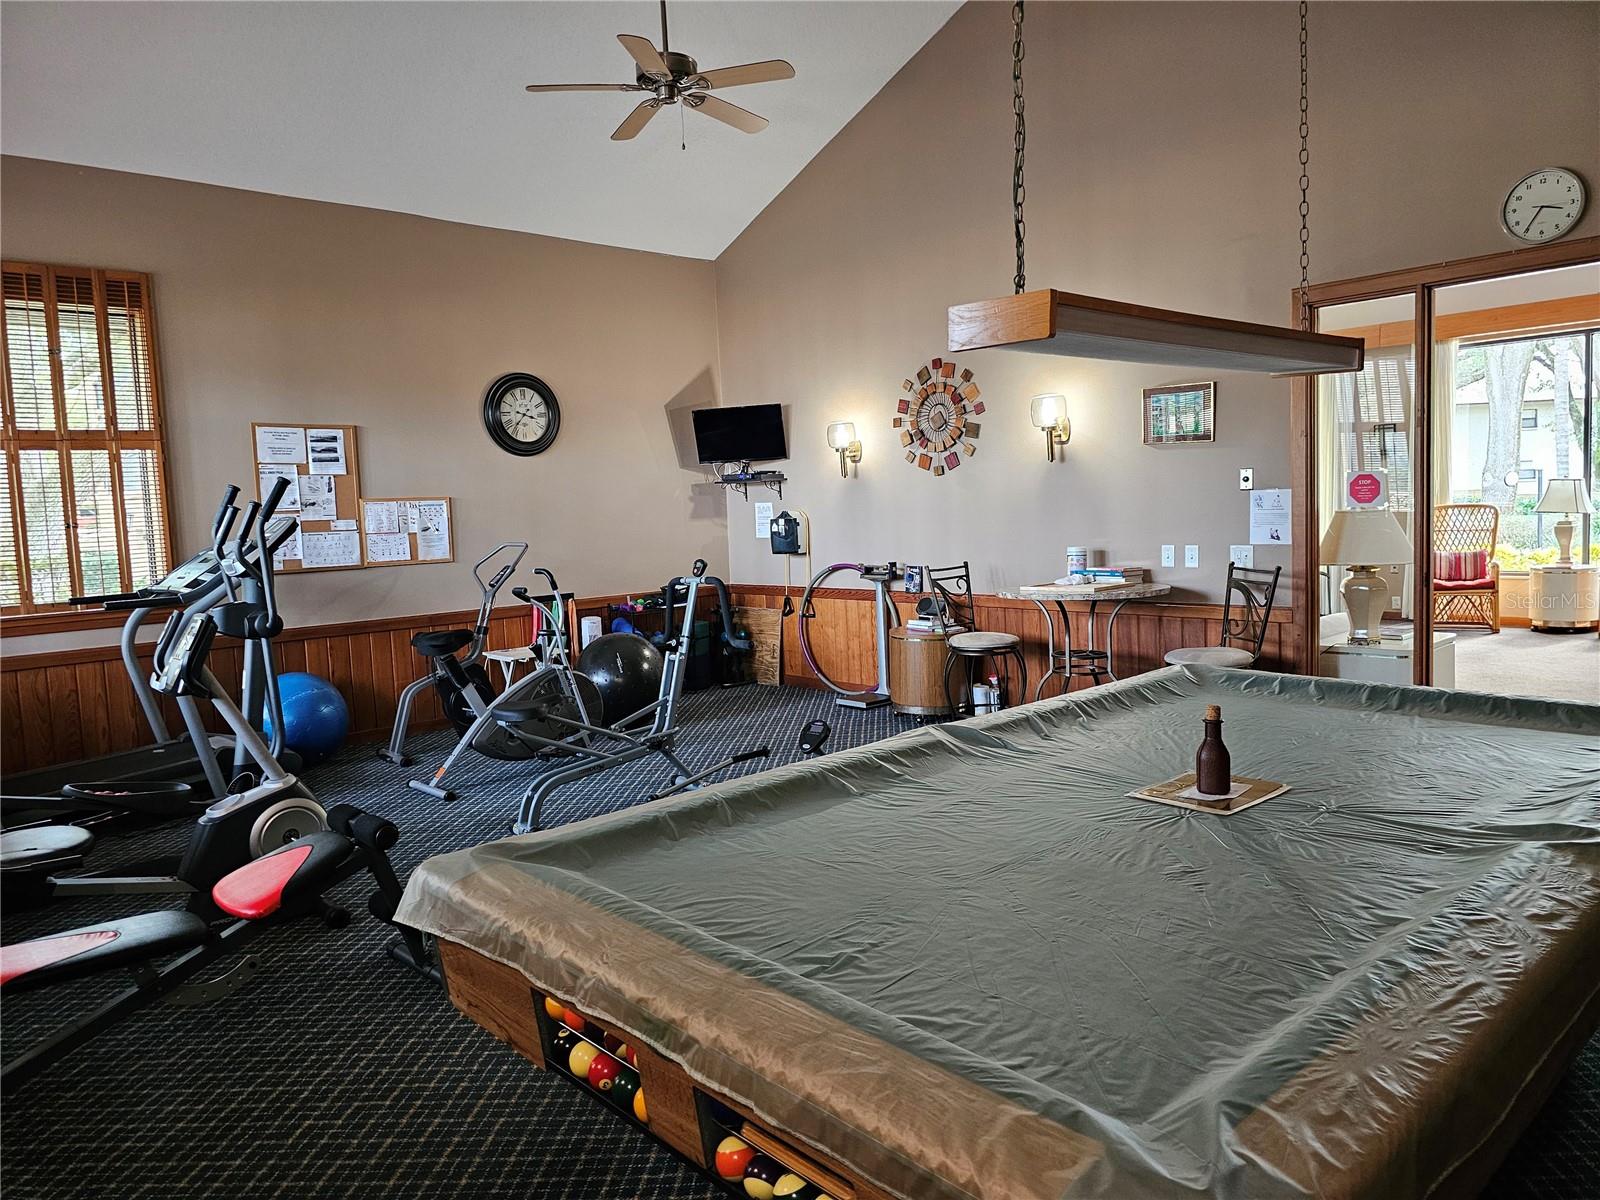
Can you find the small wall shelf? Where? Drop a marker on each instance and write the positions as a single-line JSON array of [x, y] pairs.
[[773, 483]]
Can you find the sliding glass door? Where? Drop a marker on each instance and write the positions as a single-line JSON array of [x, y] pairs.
[[1474, 428]]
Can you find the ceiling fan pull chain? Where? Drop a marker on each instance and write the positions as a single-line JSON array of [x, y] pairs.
[[1305, 180], [1019, 191]]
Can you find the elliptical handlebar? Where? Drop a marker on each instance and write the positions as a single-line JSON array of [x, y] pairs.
[[498, 579], [683, 585]]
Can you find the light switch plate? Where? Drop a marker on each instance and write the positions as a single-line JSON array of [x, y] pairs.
[[1242, 556], [1247, 479], [1191, 556], [1169, 556]]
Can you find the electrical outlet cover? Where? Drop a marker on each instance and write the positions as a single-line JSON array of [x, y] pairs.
[[1191, 556], [1242, 556], [1169, 556]]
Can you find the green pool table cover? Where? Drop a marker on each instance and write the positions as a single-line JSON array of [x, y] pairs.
[[965, 962]]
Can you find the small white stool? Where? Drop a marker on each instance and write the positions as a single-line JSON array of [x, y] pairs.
[[511, 659]]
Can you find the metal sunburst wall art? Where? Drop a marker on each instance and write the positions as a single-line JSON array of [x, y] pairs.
[[935, 417]]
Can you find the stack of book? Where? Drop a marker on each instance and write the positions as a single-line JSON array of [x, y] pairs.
[[933, 625], [1116, 574]]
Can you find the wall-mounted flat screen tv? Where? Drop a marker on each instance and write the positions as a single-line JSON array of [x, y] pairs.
[[749, 433]]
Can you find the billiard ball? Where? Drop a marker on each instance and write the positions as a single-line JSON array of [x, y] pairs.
[[554, 1007], [628, 1054], [583, 1054], [760, 1176], [792, 1187], [625, 1086], [572, 1019], [603, 1072], [639, 1110], [733, 1156], [564, 1040]]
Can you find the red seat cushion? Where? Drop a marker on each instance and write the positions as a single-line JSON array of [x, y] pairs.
[[1464, 585]]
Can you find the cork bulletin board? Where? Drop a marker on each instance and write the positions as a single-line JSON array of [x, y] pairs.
[[325, 493], [401, 531]]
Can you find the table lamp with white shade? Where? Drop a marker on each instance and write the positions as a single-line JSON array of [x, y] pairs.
[[1565, 496], [1365, 539]]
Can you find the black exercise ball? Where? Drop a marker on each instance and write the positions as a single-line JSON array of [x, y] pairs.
[[627, 670]]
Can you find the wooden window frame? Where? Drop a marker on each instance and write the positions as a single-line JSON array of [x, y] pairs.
[[1421, 283], [28, 616]]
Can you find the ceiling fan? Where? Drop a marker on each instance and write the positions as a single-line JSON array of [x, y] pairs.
[[671, 77]]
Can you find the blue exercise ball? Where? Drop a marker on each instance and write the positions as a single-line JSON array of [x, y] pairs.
[[315, 716]]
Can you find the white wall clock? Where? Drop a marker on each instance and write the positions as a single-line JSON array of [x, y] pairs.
[[1543, 205]]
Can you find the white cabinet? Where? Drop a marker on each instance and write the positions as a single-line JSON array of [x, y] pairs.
[[1564, 597], [1387, 662]]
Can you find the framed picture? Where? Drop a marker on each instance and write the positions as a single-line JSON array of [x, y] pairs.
[[913, 579], [1179, 413]]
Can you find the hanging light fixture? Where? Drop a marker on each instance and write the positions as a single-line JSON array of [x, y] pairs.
[[1055, 322]]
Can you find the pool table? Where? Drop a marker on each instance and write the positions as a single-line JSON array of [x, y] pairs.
[[965, 962]]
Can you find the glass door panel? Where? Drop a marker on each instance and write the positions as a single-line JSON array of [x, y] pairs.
[[1365, 425], [1513, 435]]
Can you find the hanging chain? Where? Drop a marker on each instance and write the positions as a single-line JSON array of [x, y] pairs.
[[1019, 192], [1305, 180]]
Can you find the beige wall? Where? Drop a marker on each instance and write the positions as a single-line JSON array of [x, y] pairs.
[[271, 308], [1162, 144]]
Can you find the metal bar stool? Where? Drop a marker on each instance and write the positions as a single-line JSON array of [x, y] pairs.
[[951, 601]]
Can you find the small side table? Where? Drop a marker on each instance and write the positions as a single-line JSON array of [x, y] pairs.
[[1564, 598], [1387, 662], [916, 672]]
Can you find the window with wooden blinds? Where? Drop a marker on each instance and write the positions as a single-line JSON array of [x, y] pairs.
[[83, 500]]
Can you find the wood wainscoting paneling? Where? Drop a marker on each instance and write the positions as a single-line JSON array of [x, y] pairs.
[[842, 633], [79, 703]]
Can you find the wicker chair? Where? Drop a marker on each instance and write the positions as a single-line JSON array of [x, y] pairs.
[[1469, 596]]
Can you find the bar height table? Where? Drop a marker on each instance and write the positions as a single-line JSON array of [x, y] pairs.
[[1090, 662]]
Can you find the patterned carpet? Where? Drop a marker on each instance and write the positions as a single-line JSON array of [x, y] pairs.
[[336, 1073]]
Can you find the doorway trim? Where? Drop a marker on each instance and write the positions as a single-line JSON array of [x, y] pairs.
[[1421, 282]]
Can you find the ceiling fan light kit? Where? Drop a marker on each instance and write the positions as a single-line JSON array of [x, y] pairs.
[[672, 77], [1067, 323]]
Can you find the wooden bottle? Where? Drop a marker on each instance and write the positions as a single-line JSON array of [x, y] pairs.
[[1213, 770]]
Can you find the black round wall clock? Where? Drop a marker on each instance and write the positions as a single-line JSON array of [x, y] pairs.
[[521, 413]]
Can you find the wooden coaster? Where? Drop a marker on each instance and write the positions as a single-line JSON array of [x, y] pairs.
[[1256, 790]]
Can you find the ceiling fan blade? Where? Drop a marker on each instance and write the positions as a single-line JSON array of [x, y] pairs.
[[757, 72], [636, 120], [729, 114], [583, 87], [645, 54]]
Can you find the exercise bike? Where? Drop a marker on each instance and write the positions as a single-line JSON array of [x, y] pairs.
[[602, 748], [547, 711], [464, 689], [243, 825]]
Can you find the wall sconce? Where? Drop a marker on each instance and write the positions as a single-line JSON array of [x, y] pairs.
[[842, 437], [1049, 414]]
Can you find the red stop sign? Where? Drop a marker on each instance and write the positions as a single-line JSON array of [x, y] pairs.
[[1365, 488]]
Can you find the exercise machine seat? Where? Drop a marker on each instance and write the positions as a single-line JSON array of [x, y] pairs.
[[77, 953], [441, 643], [43, 848], [288, 878]]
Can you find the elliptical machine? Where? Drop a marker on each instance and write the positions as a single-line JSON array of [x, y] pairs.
[[243, 825], [662, 733], [173, 776]]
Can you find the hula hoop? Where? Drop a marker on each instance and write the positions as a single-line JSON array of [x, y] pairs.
[[802, 619]]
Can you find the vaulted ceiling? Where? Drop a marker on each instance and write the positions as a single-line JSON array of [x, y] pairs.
[[419, 108]]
